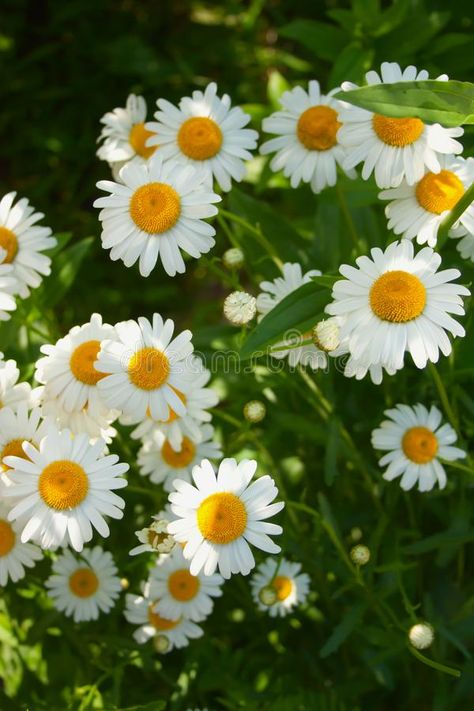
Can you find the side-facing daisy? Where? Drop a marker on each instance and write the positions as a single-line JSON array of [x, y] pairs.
[[64, 488], [15, 556], [124, 135], [306, 146], [219, 516], [84, 587], [24, 243], [415, 441], [155, 537], [393, 148], [205, 132], [16, 427], [8, 287], [179, 593], [395, 302], [12, 393], [285, 585], [157, 211]]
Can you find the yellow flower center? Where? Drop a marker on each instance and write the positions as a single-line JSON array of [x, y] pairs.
[[397, 296], [317, 128], [7, 538], [155, 207], [9, 243], [397, 131], [83, 582], [200, 138], [179, 459], [182, 585], [63, 485], [283, 587], [437, 192], [82, 363], [173, 416], [138, 137], [159, 622], [13, 448], [419, 444], [148, 368], [222, 518]]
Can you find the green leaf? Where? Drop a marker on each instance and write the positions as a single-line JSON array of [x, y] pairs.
[[324, 40], [351, 64], [62, 239], [276, 86], [326, 280], [450, 103], [65, 268], [343, 630], [157, 705]]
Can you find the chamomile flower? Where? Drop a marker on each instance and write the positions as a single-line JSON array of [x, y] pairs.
[[179, 593], [24, 242], [416, 211], [96, 427], [221, 515], [146, 368], [272, 292], [12, 393], [157, 211], [307, 147], [158, 460], [290, 586], [415, 441], [15, 556], [64, 488], [206, 133], [16, 427], [155, 537], [8, 287], [393, 148], [84, 587], [395, 302]]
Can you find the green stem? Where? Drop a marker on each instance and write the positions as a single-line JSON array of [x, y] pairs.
[[443, 395], [435, 665], [257, 232], [347, 216], [454, 215]]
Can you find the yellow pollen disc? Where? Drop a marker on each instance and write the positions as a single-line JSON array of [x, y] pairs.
[[148, 369], [317, 128], [155, 207], [283, 587], [397, 296], [222, 518], [180, 459], [419, 445], [7, 538], [83, 582], [82, 363], [9, 243], [13, 449], [138, 137], [200, 138], [397, 131], [159, 622], [182, 585], [63, 485], [173, 416], [437, 192]]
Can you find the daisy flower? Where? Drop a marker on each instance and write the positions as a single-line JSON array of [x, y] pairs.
[[285, 580], [396, 301], [15, 556], [158, 460], [272, 292], [415, 441], [64, 488], [145, 368], [24, 243], [219, 516], [393, 148], [12, 393], [84, 587], [206, 133], [157, 210], [155, 537], [96, 427], [8, 287], [179, 593], [417, 211], [307, 147], [240, 308], [16, 426]]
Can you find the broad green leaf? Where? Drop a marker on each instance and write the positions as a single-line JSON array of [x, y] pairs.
[[450, 103], [326, 280], [351, 64], [324, 40], [340, 633], [65, 268]]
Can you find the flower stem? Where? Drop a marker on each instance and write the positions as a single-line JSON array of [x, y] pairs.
[[460, 207], [257, 232]]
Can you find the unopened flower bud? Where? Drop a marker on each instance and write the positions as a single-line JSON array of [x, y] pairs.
[[240, 308], [161, 643], [255, 411], [268, 596], [233, 258], [360, 555], [326, 335], [124, 583], [421, 635]]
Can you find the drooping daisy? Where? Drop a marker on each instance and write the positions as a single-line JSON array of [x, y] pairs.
[[65, 488], [24, 242], [98, 426], [179, 593], [145, 368], [396, 301], [15, 556], [272, 292], [393, 148], [158, 460], [158, 211], [155, 537], [284, 579], [416, 211], [306, 148], [9, 286], [415, 441], [207, 133], [16, 427], [221, 515], [84, 587], [12, 393]]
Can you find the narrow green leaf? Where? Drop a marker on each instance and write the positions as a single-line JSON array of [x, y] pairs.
[[324, 40], [326, 280], [343, 629], [351, 64]]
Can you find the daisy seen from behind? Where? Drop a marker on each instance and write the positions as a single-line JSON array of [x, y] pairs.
[[15, 556], [284, 578]]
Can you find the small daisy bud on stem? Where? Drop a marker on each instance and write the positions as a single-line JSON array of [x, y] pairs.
[[124, 583], [421, 635], [240, 308], [254, 411], [162, 643], [326, 335], [268, 596], [360, 555], [233, 258]]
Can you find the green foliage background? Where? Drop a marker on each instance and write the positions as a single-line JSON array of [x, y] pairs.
[[63, 65]]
